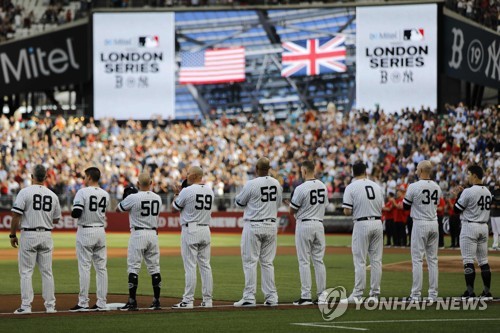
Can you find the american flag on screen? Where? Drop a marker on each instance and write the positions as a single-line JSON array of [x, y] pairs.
[[313, 57], [213, 66]]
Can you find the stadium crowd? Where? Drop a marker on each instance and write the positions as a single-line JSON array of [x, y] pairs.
[[391, 145]]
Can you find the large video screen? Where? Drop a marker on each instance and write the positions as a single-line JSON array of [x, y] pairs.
[[226, 62], [134, 65], [396, 57]]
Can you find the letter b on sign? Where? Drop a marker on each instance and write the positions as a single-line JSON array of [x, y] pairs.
[[456, 49]]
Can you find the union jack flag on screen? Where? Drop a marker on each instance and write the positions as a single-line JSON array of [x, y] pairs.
[[313, 57]]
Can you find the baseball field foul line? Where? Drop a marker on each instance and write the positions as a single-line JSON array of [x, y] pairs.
[[164, 309], [325, 325]]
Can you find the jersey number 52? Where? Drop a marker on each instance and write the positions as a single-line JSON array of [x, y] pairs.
[[268, 193]]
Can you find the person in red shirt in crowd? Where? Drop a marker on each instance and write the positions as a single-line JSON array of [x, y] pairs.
[[407, 217], [454, 220], [399, 220], [388, 212], [440, 215]]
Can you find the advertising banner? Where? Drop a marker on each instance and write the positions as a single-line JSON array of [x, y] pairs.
[[471, 53], [40, 63], [396, 57], [134, 65]]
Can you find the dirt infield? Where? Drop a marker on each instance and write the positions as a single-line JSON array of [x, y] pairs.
[[448, 264]]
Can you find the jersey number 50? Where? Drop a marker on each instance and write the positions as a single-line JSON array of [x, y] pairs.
[[149, 208]]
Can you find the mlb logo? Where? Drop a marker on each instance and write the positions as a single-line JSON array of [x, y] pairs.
[[413, 34], [149, 41]]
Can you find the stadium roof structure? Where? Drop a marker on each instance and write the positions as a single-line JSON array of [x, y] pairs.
[[261, 32]]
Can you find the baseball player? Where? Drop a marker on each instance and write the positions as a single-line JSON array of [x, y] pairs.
[[261, 197], [308, 203], [89, 207], [143, 207], [495, 215], [195, 204], [422, 198], [36, 210], [363, 199], [474, 204]]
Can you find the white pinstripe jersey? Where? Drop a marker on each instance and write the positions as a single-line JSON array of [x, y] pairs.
[[364, 197], [143, 207], [38, 206], [261, 197], [475, 203], [310, 200], [423, 197], [93, 201], [195, 204]]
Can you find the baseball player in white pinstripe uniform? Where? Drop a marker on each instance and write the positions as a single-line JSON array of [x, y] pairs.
[[474, 204], [308, 203], [36, 210], [364, 199], [261, 197], [195, 204], [89, 207], [143, 208], [422, 197]]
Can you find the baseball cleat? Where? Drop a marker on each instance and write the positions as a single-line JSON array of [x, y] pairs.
[[244, 303], [50, 310], [269, 303], [206, 304], [430, 299], [322, 302], [183, 305], [486, 296], [22, 311], [303, 301], [98, 308], [155, 305], [468, 295], [78, 308], [412, 299], [130, 306]]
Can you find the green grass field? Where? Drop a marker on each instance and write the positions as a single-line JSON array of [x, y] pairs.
[[228, 286]]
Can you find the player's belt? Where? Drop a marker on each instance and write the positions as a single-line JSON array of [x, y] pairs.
[[263, 220], [199, 225], [36, 229], [139, 228], [307, 220], [368, 218], [92, 226], [478, 222]]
